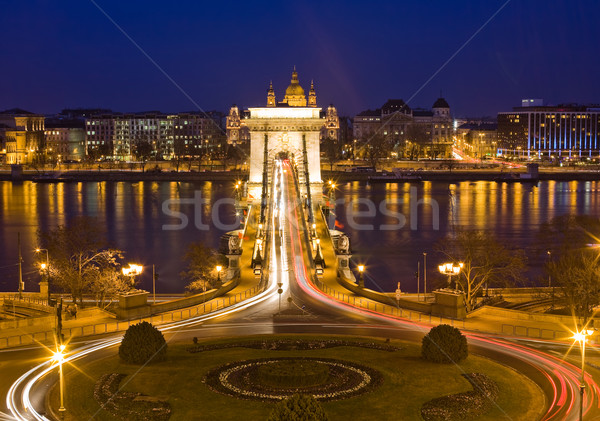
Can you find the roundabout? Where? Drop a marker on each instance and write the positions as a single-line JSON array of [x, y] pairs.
[[194, 385], [278, 378]]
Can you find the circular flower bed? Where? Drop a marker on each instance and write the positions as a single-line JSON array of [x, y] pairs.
[[294, 373], [242, 380]]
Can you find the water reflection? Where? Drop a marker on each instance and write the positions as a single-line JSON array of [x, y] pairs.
[[511, 211], [131, 213], [133, 217]]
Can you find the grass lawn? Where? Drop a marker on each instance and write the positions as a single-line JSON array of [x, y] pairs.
[[408, 383]]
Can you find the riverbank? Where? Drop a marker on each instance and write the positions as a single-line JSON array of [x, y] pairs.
[[338, 176], [124, 175], [471, 175]]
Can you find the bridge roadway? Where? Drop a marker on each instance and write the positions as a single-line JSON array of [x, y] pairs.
[[25, 381]]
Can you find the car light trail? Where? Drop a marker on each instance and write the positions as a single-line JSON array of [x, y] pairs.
[[561, 376], [26, 411], [566, 374]]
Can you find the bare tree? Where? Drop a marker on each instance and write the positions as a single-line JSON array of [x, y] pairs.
[[201, 266], [577, 274], [569, 243], [107, 282], [332, 151], [79, 253], [377, 148], [416, 138], [486, 262]]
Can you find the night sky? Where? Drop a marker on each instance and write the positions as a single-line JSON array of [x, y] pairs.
[[59, 54]]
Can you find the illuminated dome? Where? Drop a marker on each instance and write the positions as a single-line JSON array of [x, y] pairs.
[[294, 88], [294, 94]]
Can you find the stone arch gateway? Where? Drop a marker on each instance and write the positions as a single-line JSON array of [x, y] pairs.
[[286, 128]]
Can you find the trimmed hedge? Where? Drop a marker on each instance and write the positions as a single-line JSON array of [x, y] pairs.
[[143, 343], [298, 408], [444, 344]]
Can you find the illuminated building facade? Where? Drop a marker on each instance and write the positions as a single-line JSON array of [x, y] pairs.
[[22, 134], [564, 131], [291, 128], [65, 140], [479, 140], [99, 136], [395, 118], [164, 136]]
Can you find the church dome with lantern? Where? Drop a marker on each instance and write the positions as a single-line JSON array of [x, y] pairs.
[[294, 94]]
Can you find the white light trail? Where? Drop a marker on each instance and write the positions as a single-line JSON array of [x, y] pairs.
[[27, 412]]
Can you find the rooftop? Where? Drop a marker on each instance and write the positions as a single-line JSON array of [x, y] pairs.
[[17, 111]]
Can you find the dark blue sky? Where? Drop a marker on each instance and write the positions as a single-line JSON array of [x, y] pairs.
[[59, 54]]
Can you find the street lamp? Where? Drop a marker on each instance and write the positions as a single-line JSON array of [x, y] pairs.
[[237, 190], [219, 268], [132, 271], [361, 279], [425, 277], [59, 357], [581, 337], [46, 267], [450, 270]]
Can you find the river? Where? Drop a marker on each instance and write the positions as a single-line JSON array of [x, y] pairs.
[[404, 221]]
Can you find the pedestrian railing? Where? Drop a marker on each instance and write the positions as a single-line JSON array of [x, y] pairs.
[[534, 332], [116, 326], [386, 309], [24, 299], [415, 316]]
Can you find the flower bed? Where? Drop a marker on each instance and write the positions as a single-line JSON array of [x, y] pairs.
[[463, 406], [293, 345], [294, 373], [241, 380], [128, 405]]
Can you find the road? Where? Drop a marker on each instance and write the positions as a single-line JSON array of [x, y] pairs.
[[290, 265]]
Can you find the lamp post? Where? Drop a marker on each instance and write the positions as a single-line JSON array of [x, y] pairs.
[[237, 189], [450, 270], [361, 279], [549, 253], [425, 277], [132, 271], [481, 134], [46, 266], [219, 269], [581, 337], [59, 357]]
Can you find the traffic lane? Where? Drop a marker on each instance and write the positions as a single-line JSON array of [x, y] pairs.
[[418, 330]]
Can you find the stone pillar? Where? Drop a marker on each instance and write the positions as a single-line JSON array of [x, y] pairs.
[[343, 261], [44, 290], [233, 269]]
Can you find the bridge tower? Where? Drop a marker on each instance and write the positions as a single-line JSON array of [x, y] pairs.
[[291, 128]]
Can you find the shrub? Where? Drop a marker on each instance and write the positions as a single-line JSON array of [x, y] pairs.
[[143, 342], [298, 408], [444, 344]]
